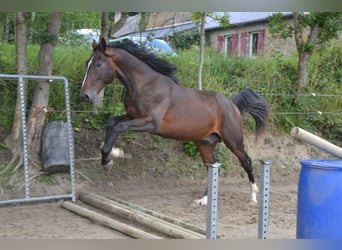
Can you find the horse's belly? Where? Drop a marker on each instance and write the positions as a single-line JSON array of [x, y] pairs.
[[186, 129]]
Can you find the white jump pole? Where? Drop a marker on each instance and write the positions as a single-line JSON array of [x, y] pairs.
[[316, 141]]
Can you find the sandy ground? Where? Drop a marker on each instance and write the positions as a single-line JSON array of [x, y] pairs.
[[168, 194], [237, 218]]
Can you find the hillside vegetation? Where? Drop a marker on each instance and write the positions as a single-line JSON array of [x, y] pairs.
[[274, 77]]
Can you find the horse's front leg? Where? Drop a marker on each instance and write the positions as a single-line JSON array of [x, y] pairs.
[[119, 125], [110, 139]]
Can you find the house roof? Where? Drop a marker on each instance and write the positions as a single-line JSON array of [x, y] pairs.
[[131, 28], [166, 30], [239, 18]]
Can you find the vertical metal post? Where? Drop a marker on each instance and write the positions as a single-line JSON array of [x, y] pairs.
[[24, 135], [264, 183], [213, 174], [71, 141]]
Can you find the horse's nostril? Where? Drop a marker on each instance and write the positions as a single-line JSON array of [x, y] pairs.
[[86, 98]]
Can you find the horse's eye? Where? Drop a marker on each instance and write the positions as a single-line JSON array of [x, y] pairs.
[[98, 64]]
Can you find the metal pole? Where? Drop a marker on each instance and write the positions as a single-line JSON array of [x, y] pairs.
[[264, 183], [71, 141], [24, 135], [213, 170]]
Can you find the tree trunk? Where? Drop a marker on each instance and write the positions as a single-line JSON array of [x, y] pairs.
[[304, 52], [14, 140], [118, 23], [302, 73], [42, 89], [202, 43], [7, 28], [105, 26], [21, 34]]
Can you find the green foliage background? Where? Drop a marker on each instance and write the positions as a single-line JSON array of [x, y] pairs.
[[274, 77]]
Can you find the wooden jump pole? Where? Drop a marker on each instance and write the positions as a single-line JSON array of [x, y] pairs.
[[316, 141], [159, 215], [139, 217], [111, 223]]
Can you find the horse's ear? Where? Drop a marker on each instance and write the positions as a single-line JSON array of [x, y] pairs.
[[94, 44], [103, 44]]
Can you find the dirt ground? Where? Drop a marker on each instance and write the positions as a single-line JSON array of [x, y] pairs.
[[160, 177]]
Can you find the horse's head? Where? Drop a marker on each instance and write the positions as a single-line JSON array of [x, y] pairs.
[[99, 72]]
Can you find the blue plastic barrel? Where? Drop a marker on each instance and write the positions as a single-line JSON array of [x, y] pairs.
[[319, 204]]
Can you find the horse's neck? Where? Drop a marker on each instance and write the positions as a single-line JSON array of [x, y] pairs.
[[132, 71]]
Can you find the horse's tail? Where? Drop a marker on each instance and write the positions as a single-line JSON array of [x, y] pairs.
[[248, 101]]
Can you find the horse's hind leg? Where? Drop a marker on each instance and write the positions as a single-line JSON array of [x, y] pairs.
[[207, 154], [246, 163]]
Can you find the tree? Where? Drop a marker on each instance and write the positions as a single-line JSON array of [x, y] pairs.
[[310, 31], [202, 45], [201, 16], [105, 26], [71, 22], [14, 140], [119, 21], [6, 26], [42, 89]]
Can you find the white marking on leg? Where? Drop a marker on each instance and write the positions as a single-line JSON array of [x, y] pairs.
[[254, 190], [203, 201], [117, 153], [86, 74]]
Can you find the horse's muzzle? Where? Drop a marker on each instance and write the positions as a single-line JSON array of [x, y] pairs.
[[85, 97], [88, 98]]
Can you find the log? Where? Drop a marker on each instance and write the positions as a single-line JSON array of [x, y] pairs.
[[159, 215], [108, 222], [316, 141], [164, 227]]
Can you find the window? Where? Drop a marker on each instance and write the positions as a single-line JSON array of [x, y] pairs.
[[256, 43], [231, 45], [253, 46]]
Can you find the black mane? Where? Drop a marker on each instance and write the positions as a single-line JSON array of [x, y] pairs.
[[157, 63]]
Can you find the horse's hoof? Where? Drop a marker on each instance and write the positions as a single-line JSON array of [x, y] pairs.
[[108, 165], [202, 202]]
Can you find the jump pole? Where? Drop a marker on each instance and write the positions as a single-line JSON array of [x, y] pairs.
[[109, 222], [142, 218], [316, 141]]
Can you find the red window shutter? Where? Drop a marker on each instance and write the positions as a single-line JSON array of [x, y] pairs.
[[261, 41], [234, 44], [244, 43], [219, 43]]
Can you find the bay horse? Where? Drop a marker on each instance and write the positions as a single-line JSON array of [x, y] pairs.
[[156, 103]]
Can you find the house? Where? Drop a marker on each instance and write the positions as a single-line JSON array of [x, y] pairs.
[[247, 35]]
